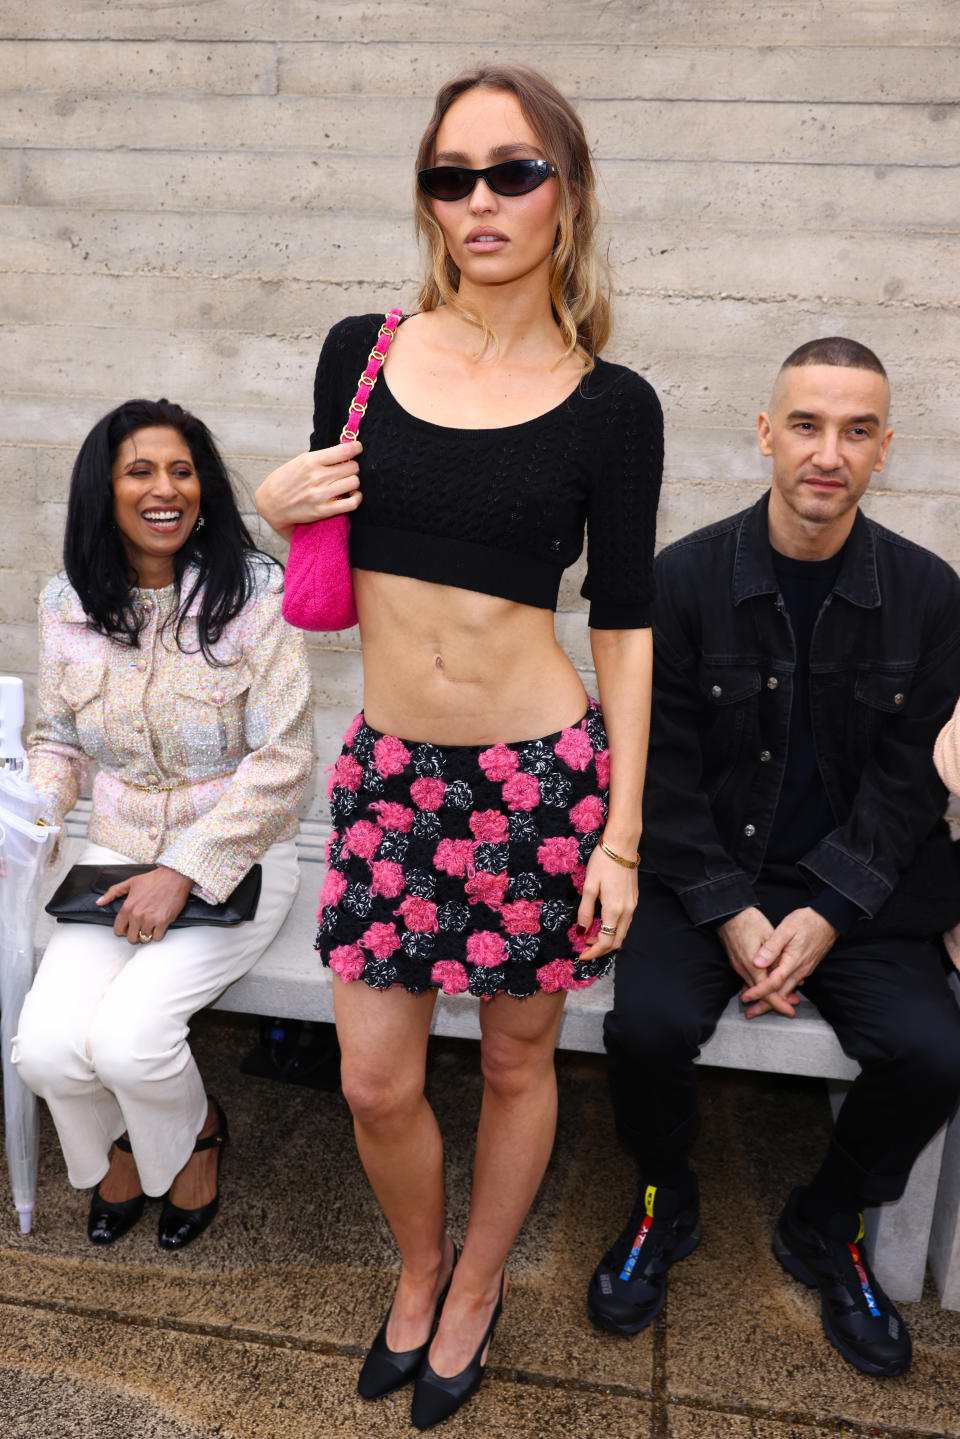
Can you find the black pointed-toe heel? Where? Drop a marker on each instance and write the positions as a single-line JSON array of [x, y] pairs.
[[386, 1369], [109, 1219], [179, 1227], [435, 1397]]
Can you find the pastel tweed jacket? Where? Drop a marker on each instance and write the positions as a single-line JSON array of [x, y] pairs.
[[199, 767]]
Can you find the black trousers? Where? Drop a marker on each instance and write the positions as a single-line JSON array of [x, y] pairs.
[[884, 992]]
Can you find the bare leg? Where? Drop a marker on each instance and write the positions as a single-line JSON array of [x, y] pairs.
[[383, 1042], [121, 1181], [515, 1137], [196, 1184]]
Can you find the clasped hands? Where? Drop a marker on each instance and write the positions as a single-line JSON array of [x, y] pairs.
[[773, 962]]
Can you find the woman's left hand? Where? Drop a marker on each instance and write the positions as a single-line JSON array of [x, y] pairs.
[[610, 894], [152, 901]]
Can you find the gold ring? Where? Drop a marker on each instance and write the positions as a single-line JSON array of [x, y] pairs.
[[145, 938], [608, 929]]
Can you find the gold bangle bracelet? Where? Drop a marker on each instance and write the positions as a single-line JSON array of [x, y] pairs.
[[612, 854]]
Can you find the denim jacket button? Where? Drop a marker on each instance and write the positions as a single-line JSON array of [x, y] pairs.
[[749, 830], [898, 699], [765, 756], [772, 682], [716, 692]]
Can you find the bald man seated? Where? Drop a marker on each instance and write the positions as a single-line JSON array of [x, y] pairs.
[[805, 659]]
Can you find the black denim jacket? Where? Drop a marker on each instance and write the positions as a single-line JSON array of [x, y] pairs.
[[884, 678]]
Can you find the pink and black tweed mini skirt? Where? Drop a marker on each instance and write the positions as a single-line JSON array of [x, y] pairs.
[[461, 867]]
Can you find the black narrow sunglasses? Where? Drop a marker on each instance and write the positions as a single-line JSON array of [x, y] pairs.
[[510, 177]]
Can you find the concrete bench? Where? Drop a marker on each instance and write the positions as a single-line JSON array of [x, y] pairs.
[[289, 981]]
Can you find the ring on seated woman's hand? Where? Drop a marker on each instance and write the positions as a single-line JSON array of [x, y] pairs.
[[145, 938], [608, 929]]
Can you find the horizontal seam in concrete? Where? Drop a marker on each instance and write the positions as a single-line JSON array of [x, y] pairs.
[[404, 39], [659, 1395], [206, 152], [706, 225], [310, 332], [240, 405], [232, 1333], [652, 97], [785, 297], [576, 46], [404, 281], [346, 287], [358, 281], [694, 481], [600, 156]]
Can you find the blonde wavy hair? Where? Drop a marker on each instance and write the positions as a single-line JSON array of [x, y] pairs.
[[579, 275]]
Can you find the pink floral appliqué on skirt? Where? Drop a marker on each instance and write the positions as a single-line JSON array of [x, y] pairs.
[[461, 867]]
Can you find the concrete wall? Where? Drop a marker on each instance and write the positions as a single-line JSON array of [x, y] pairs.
[[192, 193]]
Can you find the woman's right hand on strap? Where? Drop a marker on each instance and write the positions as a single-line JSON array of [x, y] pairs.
[[313, 486]]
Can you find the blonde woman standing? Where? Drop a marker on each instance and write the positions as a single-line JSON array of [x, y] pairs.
[[486, 814]]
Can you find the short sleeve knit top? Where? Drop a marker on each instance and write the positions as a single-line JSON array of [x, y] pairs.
[[502, 511]]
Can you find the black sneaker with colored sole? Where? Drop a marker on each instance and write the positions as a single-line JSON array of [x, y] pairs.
[[628, 1288], [858, 1318]]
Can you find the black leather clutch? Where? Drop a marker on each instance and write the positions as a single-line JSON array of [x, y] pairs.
[[75, 899]]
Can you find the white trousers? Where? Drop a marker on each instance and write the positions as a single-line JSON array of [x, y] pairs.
[[103, 1032]]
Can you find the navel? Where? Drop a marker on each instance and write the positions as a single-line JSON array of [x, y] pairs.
[[438, 662]]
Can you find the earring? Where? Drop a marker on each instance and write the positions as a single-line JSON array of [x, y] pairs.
[[199, 524]]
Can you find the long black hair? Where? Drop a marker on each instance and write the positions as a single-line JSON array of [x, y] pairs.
[[94, 557]]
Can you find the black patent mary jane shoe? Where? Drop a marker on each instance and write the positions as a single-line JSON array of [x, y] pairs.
[[109, 1219], [386, 1369], [179, 1227], [436, 1397]]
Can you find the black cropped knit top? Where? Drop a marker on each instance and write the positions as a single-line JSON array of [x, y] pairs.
[[502, 511]]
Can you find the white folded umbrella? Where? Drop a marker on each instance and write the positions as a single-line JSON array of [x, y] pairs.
[[24, 846]]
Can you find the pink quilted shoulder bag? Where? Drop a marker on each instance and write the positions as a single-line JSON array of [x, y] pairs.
[[318, 588]]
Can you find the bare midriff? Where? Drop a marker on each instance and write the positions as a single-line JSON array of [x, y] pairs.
[[451, 666]]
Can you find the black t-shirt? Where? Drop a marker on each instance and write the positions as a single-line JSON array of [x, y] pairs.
[[502, 511], [804, 814]]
